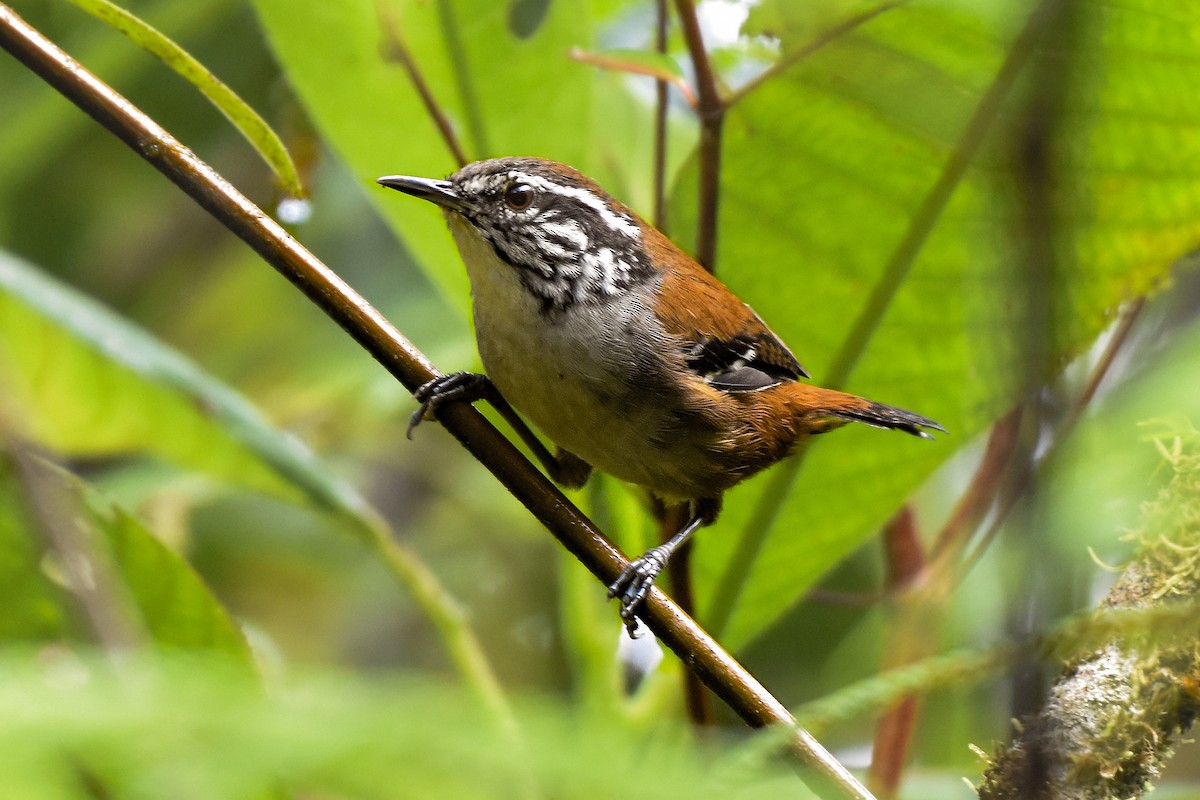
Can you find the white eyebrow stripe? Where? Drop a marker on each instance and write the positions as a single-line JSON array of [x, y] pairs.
[[615, 221]]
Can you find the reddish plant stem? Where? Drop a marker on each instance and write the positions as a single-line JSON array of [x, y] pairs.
[[980, 494], [905, 644], [1020, 482], [1124, 325], [710, 109], [902, 545], [661, 98], [921, 588], [679, 570], [394, 49], [630, 67]]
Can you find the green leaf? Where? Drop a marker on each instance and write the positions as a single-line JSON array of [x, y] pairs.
[[526, 16], [245, 119], [87, 383], [34, 610], [44, 125], [197, 728], [173, 605], [176, 606], [823, 170]]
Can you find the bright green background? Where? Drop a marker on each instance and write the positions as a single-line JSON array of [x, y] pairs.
[[254, 455]]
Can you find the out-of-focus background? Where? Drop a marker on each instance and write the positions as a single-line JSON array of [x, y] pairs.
[[933, 205]]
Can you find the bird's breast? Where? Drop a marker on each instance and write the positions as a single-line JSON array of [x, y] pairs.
[[595, 378]]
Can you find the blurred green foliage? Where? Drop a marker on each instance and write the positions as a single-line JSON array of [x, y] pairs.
[[826, 166]]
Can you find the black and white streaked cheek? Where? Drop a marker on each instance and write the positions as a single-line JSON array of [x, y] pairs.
[[570, 245]]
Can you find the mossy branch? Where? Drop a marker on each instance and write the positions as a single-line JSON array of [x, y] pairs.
[[1113, 718]]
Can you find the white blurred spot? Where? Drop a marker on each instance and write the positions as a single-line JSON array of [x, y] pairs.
[[293, 211], [721, 20], [638, 657]]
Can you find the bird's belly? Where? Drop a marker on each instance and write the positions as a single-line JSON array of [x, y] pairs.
[[590, 396]]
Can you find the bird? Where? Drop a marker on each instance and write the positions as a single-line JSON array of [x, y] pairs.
[[621, 349]]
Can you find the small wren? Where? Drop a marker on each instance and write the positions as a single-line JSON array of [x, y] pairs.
[[624, 351]]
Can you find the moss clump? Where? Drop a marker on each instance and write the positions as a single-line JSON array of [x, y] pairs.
[[1114, 713]]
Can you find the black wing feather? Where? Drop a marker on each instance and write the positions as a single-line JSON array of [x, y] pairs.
[[744, 363]]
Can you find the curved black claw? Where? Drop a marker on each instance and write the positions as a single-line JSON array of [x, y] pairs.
[[634, 584], [449, 388]]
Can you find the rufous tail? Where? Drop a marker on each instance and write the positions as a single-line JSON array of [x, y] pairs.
[[837, 406]]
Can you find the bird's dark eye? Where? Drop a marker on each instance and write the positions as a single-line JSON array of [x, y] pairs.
[[519, 196]]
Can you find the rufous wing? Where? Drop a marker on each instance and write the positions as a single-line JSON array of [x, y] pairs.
[[728, 344]]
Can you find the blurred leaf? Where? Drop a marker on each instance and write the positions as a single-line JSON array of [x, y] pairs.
[[526, 16], [823, 168], [796, 24], [175, 607], [34, 611], [245, 119], [196, 728], [38, 124], [88, 383]]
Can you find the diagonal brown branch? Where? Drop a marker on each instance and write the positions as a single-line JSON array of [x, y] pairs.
[[728, 679]]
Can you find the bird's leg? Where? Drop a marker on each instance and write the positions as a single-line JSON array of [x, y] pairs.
[[565, 469], [634, 583]]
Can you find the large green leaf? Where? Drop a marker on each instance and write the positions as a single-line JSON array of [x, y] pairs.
[[824, 168], [85, 382], [169, 600]]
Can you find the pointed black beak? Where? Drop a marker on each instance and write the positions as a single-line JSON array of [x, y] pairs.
[[437, 192]]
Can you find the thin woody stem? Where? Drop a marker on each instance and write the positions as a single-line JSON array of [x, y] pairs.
[[695, 648], [711, 110], [395, 49], [893, 732], [671, 518], [1022, 480], [661, 96], [980, 494], [630, 67]]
